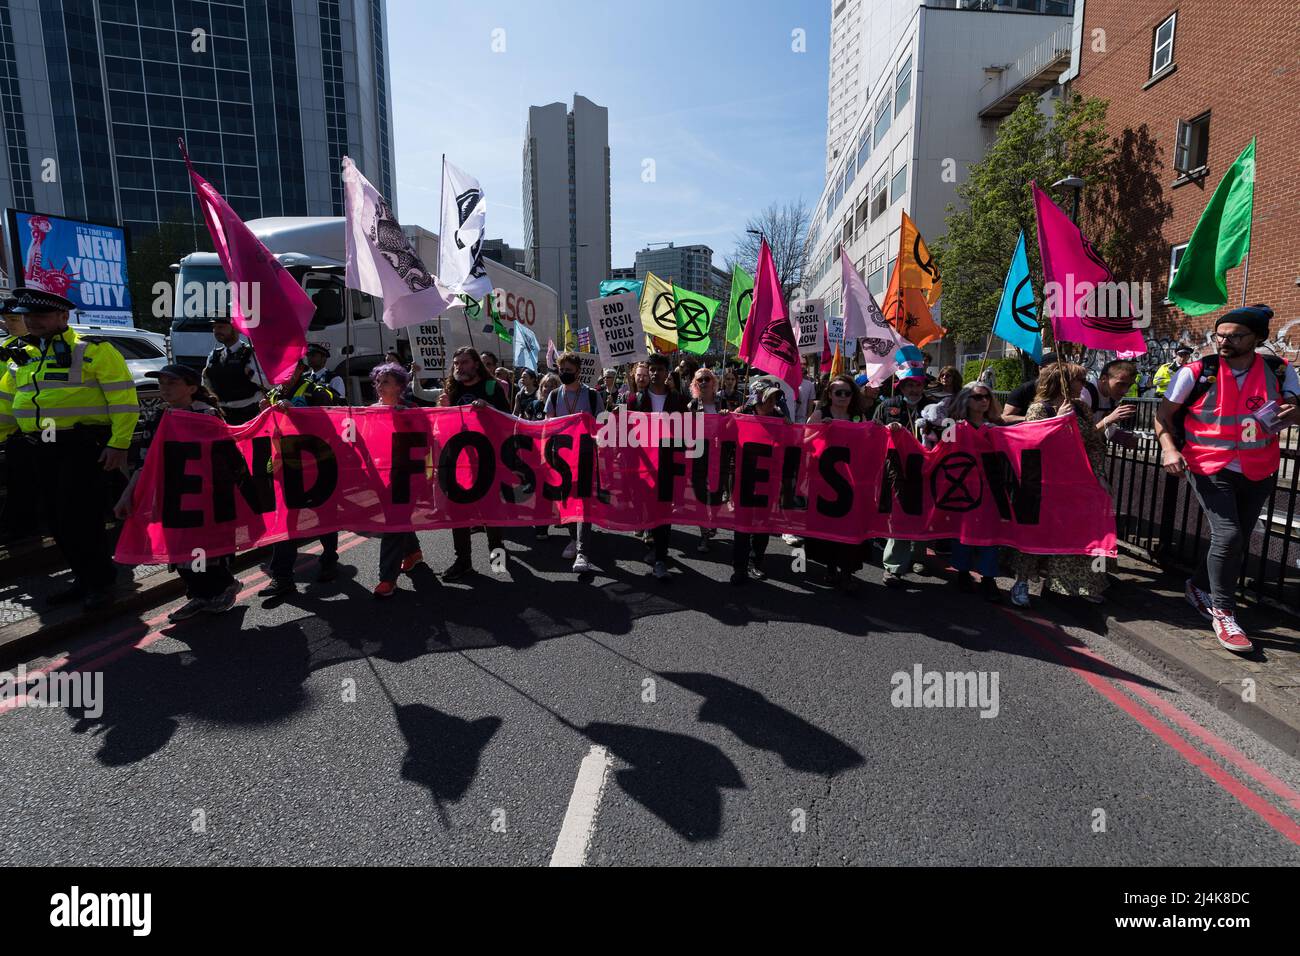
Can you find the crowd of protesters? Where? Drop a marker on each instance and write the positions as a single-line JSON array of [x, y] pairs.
[[1205, 427]]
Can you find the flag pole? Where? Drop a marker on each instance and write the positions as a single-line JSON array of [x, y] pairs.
[[1245, 276]]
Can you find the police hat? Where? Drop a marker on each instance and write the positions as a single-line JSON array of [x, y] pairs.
[[1183, 350], [186, 374], [24, 301], [317, 347]]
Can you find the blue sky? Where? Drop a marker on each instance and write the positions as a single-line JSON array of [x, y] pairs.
[[711, 90]]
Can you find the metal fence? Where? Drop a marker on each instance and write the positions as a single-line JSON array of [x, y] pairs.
[[1158, 515]]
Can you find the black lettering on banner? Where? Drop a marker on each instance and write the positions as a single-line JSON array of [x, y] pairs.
[[485, 467], [229, 470], [510, 449], [751, 473], [588, 472], [670, 469], [700, 474], [842, 503], [177, 484], [791, 458], [403, 467], [1023, 496], [906, 483], [561, 491], [296, 495]]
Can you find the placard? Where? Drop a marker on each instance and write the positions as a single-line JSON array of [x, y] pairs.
[[616, 329], [807, 317]]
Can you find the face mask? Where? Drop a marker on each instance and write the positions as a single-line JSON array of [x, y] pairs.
[[568, 378]]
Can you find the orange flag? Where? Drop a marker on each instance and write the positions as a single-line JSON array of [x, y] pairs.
[[837, 363], [914, 286]]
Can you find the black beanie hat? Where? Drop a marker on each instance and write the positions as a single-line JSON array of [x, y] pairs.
[[1253, 317]]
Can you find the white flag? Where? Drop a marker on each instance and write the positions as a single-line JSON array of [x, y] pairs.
[[382, 262], [526, 347], [863, 320], [460, 235]]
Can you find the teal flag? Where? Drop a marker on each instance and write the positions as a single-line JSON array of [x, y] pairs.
[[620, 286], [1017, 321]]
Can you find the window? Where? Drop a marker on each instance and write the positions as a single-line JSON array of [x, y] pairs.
[[883, 115], [879, 201], [129, 347], [1192, 149], [898, 185], [903, 88], [1162, 47], [1175, 257], [848, 228], [864, 206]]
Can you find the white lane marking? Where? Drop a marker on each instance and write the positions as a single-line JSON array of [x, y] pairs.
[[580, 818]]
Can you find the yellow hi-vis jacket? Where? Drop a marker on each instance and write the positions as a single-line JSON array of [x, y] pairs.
[[70, 382]]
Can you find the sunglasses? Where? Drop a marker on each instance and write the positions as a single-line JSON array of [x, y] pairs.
[[841, 393], [982, 396]]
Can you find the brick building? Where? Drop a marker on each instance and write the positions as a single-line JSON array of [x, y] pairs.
[[1203, 77]]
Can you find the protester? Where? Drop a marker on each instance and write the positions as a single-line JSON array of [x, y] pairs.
[[1165, 373], [22, 507], [1114, 384], [975, 406], [399, 551], [902, 411], [233, 375], [841, 401], [317, 356], [526, 393], [1230, 451], [749, 549], [638, 380], [608, 389], [85, 393], [494, 369], [731, 395], [213, 588], [574, 398], [705, 401], [299, 392], [1069, 574], [1022, 396], [470, 383], [658, 397]]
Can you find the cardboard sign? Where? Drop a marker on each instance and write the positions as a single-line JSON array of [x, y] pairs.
[[428, 349], [807, 317], [616, 329]]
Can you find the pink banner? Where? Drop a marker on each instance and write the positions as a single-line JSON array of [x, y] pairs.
[[306, 471]]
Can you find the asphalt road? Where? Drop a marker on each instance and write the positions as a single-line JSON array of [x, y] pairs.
[[622, 720]]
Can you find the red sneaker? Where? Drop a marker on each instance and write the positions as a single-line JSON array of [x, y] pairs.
[[385, 589], [1198, 599], [1229, 632], [411, 560]]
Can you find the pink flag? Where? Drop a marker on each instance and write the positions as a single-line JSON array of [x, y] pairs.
[[769, 343], [1080, 294], [864, 321], [552, 356], [267, 305]]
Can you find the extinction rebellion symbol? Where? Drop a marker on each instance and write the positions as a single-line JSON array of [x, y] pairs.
[[956, 483], [663, 312], [743, 305], [1254, 403], [694, 325], [1025, 314]]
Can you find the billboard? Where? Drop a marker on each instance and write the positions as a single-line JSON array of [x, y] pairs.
[[84, 261]]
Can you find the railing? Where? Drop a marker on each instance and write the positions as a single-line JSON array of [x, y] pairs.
[[1031, 62], [1158, 515]]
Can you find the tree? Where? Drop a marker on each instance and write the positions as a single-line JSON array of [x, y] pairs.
[[996, 203], [150, 262], [786, 229]]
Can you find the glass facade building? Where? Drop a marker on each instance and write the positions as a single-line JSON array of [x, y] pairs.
[[267, 94]]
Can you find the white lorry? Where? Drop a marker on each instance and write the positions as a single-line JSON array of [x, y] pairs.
[[348, 322]]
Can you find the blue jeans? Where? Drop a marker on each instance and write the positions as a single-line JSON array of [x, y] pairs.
[[985, 560]]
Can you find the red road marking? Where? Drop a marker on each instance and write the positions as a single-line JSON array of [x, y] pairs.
[[77, 660], [1247, 797]]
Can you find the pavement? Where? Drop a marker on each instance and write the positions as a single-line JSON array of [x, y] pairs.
[[533, 718]]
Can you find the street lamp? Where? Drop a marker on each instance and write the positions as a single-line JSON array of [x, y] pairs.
[[1076, 184]]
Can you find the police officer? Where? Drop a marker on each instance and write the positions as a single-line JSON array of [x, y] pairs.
[[317, 356], [300, 391], [75, 402], [233, 375], [21, 517]]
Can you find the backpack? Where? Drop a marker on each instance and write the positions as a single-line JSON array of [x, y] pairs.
[[1210, 369]]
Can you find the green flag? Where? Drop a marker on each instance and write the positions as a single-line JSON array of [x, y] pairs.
[[694, 320], [497, 327], [742, 296], [1219, 241]]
